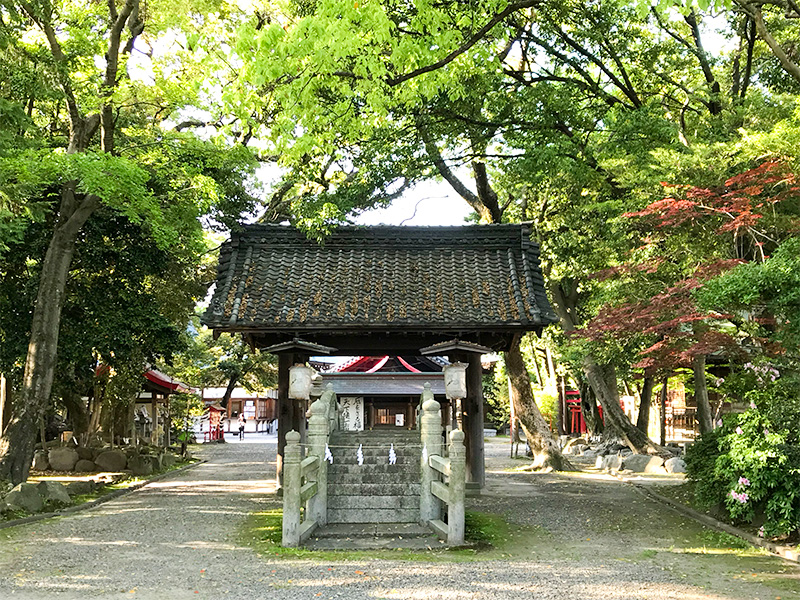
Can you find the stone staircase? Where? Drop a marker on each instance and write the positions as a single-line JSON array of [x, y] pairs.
[[375, 492]]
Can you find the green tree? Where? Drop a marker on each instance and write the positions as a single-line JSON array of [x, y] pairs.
[[90, 139]]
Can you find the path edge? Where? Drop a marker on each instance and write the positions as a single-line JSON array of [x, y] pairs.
[[785, 552], [98, 501]]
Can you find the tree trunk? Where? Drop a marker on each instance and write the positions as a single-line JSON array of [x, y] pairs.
[[616, 421], [5, 403], [643, 418], [513, 431], [545, 450], [663, 411], [703, 415], [17, 446], [226, 397]]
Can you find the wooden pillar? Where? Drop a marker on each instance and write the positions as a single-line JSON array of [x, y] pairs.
[[285, 412], [154, 419], [472, 408]]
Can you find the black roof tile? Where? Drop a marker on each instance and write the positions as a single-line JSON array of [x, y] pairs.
[[272, 278]]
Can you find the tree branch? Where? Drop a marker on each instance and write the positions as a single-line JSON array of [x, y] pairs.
[[510, 9]]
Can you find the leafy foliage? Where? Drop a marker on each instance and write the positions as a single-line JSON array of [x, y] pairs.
[[751, 464]]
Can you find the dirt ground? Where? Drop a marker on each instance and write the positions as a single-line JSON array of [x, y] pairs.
[[594, 516], [583, 536]]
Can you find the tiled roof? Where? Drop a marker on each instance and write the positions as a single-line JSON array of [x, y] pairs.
[[272, 278]]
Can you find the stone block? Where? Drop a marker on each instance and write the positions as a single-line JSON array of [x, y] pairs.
[[643, 463], [85, 466], [111, 460], [168, 460], [40, 462], [79, 488], [62, 459], [85, 453], [54, 492], [25, 496], [141, 465], [675, 465]]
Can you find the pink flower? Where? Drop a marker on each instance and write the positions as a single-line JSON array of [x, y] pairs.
[[744, 481], [740, 497], [719, 422], [752, 404], [761, 531], [739, 430]]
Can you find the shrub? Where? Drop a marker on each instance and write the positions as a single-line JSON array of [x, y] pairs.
[[751, 463]]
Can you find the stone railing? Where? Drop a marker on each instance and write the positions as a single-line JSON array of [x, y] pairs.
[[305, 480], [435, 468]]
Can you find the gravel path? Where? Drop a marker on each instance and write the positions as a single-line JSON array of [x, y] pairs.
[[586, 537]]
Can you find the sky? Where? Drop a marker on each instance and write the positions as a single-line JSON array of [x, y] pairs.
[[429, 203]]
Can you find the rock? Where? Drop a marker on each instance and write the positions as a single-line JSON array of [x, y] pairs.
[[141, 465], [79, 488], [157, 460], [589, 453], [643, 463], [599, 462], [85, 466], [579, 449], [85, 453], [26, 497], [111, 460], [675, 465], [52, 491], [168, 460], [62, 459], [40, 462], [612, 462]]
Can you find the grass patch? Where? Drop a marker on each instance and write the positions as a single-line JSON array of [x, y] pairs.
[[485, 530], [719, 540]]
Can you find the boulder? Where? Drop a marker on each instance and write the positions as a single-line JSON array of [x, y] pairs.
[[26, 497], [85, 466], [643, 463], [589, 453], [40, 462], [79, 488], [52, 491], [62, 459], [168, 460], [111, 460], [675, 465], [85, 453], [612, 462], [157, 460], [141, 465]]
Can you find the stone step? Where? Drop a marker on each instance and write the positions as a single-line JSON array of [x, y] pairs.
[[377, 434], [373, 489], [394, 477], [377, 515], [347, 459], [368, 469], [373, 536], [372, 502]]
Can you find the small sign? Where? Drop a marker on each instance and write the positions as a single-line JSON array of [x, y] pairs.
[[351, 410], [399, 420]]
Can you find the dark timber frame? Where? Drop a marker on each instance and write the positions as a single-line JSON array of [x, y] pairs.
[[454, 291]]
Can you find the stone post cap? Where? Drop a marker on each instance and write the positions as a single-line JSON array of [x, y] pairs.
[[317, 408], [293, 437], [430, 405], [457, 436], [329, 387]]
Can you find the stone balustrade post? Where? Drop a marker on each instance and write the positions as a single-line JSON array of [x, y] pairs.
[[317, 505], [292, 456], [457, 485], [431, 438]]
